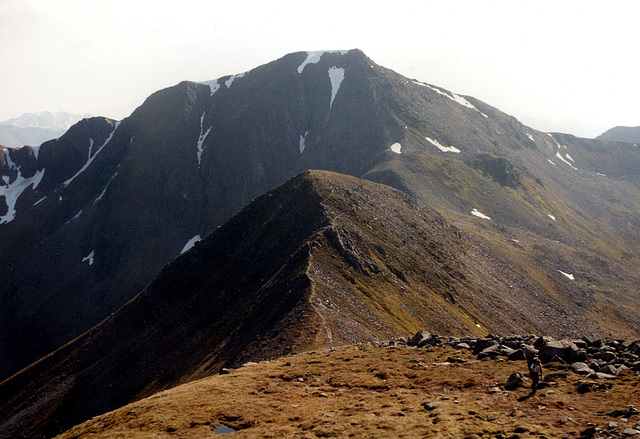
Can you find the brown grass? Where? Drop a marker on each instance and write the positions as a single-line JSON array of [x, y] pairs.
[[368, 391]]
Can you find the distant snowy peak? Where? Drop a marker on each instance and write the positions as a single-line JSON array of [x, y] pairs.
[[60, 120]]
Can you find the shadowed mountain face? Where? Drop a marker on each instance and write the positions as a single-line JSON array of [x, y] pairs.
[[324, 259], [88, 220]]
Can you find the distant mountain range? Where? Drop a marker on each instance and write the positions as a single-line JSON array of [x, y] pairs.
[[35, 128], [621, 134], [162, 234]]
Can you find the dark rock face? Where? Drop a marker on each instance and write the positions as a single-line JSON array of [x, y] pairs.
[[498, 169]]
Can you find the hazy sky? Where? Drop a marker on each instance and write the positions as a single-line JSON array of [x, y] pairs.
[[557, 65]]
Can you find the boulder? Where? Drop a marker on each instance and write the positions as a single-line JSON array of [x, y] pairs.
[[418, 337], [514, 381], [506, 350], [608, 356], [512, 342], [582, 344], [611, 369], [581, 368], [626, 412], [490, 352], [581, 355], [564, 349], [483, 344], [629, 344], [517, 355], [589, 432], [601, 376], [595, 365], [553, 375], [557, 359], [429, 406], [541, 341], [529, 350], [588, 386]]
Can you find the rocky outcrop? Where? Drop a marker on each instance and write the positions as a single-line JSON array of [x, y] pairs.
[[596, 359]]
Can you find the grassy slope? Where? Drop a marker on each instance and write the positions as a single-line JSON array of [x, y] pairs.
[[366, 391]]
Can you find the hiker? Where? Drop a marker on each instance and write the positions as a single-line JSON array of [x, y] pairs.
[[535, 369]]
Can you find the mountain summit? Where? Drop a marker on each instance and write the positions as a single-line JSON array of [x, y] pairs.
[[87, 221]]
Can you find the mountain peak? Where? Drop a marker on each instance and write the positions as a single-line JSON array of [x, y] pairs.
[[621, 134]]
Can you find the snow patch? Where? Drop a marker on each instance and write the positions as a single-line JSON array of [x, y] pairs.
[[569, 157], [314, 57], [229, 81], [549, 160], [104, 191], [441, 147], [336, 75], [303, 140], [567, 275], [479, 214], [36, 150], [92, 157], [12, 191], [530, 137], [89, 257], [190, 243], [564, 160], [201, 139], [76, 216], [397, 148], [454, 97], [214, 86], [551, 216]]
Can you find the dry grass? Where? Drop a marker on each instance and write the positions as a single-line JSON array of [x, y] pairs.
[[367, 391]]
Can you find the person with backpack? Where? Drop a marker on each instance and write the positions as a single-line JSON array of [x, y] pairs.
[[535, 369]]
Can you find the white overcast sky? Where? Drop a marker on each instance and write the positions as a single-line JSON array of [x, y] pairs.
[[557, 65]]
